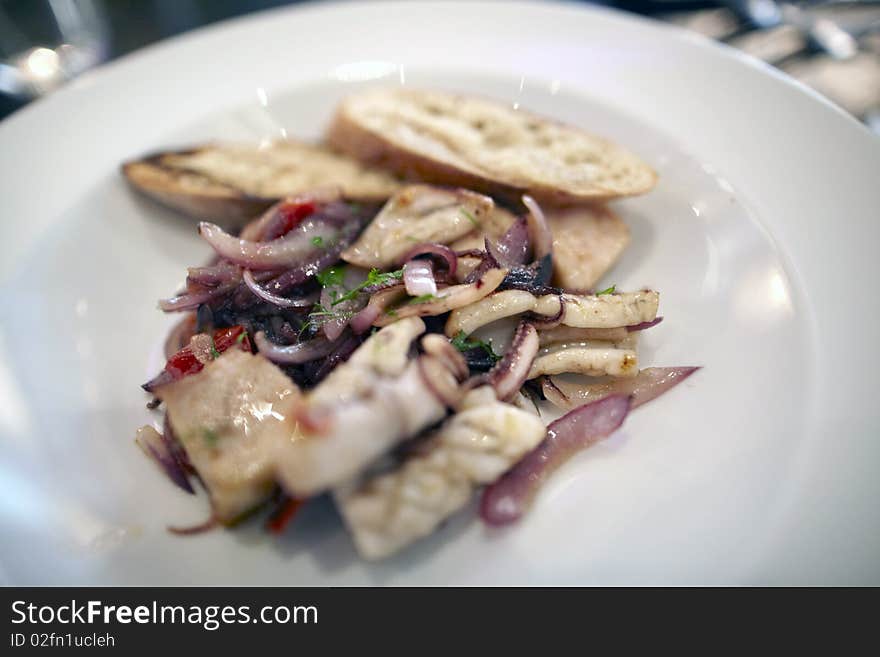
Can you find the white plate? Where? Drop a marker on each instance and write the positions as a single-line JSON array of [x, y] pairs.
[[761, 236]]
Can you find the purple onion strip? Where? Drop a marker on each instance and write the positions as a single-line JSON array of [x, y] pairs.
[[507, 499], [156, 447], [274, 299], [418, 278], [539, 231], [648, 384], [301, 352], [644, 325], [513, 247], [440, 250]]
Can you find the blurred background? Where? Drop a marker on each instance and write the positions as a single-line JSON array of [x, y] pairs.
[[830, 45]]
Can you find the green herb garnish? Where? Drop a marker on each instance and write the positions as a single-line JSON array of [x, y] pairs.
[[318, 241], [607, 290], [215, 353], [391, 312], [241, 337], [321, 311], [463, 343], [210, 436], [422, 298], [467, 215], [375, 277], [332, 276]]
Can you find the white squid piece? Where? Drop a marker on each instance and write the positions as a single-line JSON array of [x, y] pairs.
[[475, 447], [602, 317], [415, 215], [603, 310], [592, 358], [229, 418], [487, 310], [366, 406]]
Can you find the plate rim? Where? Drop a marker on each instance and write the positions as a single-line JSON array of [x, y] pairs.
[[103, 76]]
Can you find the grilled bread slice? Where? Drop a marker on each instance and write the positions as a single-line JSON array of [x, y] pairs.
[[587, 241], [230, 184], [483, 145]]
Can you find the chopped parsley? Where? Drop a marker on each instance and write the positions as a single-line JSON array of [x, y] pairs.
[[241, 337], [332, 276], [375, 277], [318, 241], [210, 436], [467, 215], [462, 343], [320, 311], [422, 298], [607, 290], [215, 353]]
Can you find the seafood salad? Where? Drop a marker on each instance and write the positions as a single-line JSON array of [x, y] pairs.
[[400, 349]]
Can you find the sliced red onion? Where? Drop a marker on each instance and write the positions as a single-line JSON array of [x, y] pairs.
[[507, 499], [300, 273], [418, 278], [175, 448], [214, 275], [644, 325], [513, 247], [343, 349], [211, 523], [509, 373], [378, 304], [648, 384], [440, 250], [539, 231], [301, 352], [192, 299], [274, 299], [363, 320], [276, 221], [287, 251], [156, 447], [329, 229]]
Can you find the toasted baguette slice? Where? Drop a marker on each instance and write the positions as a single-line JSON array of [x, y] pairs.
[[485, 146], [232, 183], [587, 241]]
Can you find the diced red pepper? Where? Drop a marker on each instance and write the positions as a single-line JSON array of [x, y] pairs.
[[184, 362], [290, 215], [283, 514]]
